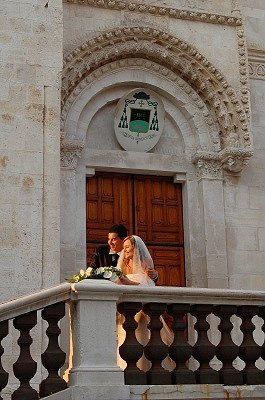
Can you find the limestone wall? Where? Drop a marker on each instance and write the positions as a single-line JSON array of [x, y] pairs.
[[245, 195], [225, 246], [30, 70]]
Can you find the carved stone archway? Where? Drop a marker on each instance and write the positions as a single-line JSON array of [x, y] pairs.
[[222, 101]]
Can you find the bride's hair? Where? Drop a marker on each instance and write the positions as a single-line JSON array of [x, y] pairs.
[[140, 262], [141, 257], [126, 261], [131, 238]]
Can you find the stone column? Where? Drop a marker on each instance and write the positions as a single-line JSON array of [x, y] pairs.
[[212, 205], [195, 264], [70, 153]]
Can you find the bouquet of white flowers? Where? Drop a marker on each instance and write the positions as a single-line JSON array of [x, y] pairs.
[[110, 273]]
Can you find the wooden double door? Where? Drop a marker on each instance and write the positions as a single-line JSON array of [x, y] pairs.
[[149, 206]]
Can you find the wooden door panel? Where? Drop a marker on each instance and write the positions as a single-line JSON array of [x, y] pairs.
[[158, 210], [90, 249], [169, 262], [107, 197]]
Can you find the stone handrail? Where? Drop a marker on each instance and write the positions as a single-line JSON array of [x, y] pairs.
[[35, 301], [172, 294], [64, 292]]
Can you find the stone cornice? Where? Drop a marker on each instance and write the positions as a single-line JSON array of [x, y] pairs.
[[256, 55], [170, 12], [256, 64]]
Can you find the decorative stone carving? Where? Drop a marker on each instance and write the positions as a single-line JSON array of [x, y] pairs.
[[171, 53], [231, 160], [257, 70], [70, 152], [208, 164], [256, 64], [211, 18], [234, 159], [138, 63], [243, 69]]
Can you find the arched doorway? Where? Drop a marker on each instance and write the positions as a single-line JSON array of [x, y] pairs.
[[206, 133], [149, 206]]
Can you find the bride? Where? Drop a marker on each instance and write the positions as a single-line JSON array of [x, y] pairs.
[[134, 263]]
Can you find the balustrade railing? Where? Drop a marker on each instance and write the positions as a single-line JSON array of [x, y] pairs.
[[22, 315], [196, 317], [181, 351]]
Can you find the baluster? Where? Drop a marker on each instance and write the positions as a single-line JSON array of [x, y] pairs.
[[53, 358], [180, 351], [131, 350], [262, 315], [249, 351], [25, 367], [156, 350], [203, 350], [226, 350], [3, 373]]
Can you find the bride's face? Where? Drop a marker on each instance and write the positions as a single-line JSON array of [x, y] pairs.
[[128, 249]]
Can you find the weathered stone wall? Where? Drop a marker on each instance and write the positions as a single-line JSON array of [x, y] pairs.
[[30, 71], [245, 195], [31, 62]]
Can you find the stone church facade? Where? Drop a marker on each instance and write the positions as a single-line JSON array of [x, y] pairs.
[[64, 67]]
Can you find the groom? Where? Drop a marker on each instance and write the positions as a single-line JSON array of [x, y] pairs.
[[107, 255]]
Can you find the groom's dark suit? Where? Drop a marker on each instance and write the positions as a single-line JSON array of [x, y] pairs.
[[102, 257]]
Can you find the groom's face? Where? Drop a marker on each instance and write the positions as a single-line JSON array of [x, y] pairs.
[[115, 242]]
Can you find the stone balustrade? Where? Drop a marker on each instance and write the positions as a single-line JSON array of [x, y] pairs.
[[217, 343]]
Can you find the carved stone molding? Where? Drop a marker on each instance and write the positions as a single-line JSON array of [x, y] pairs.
[[170, 12], [144, 65], [256, 59], [243, 69], [70, 153], [231, 160], [208, 165], [172, 54], [257, 70]]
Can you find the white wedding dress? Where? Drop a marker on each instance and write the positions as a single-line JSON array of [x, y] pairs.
[[142, 260]]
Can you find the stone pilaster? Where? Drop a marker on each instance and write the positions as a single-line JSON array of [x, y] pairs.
[[212, 205]]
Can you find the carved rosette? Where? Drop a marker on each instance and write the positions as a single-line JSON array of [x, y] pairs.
[[70, 153]]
